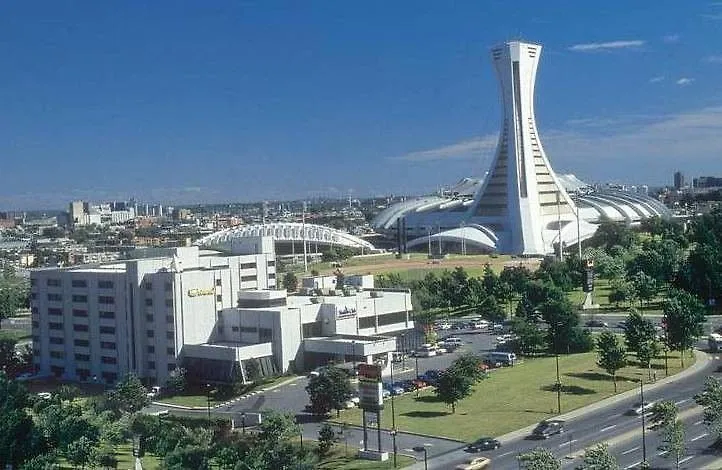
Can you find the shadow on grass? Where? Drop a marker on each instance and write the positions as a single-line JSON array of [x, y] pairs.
[[569, 389], [428, 399], [590, 376], [425, 414]]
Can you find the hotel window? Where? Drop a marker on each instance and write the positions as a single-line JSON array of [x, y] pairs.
[[168, 287], [107, 330], [107, 300], [36, 324], [367, 322], [80, 298], [55, 297], [151, 349], [149, 318], [82, 357], [151, 364], [107, 345], [271, 276], [248, 278], [148, 302], [80, 327], [171, 367], [55, 311], [249, 329], [83, 343], [248, 265], [54, 283], [79, 312], [265, 335], [234, 329], [33, 281], [54, 340], [219, 298], [169, 303], [55, 326], [271, 263], [104, 314], [79, 283], [170, 351], [109, 377], [218, 282], [57, 354], [57, 370], [170, 335], [150, 333], [148, 286], [169, 319], [105, 284], [108, 360]]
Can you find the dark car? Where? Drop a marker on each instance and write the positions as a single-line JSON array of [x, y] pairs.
[[483, 443], [548, 428], [431, 376], [596, 324], [407, 385]]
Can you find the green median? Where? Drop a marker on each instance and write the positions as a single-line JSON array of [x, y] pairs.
[[515, 397]]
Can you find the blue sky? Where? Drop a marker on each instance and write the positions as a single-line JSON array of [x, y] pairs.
[[216, 101]]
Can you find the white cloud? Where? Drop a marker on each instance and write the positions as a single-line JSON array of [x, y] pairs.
[[712, 16], [713, 59], [601, 46], [464, 149], [684, 81], [656, 79], [671, 38]]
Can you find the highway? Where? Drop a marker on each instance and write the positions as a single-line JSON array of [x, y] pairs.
[[623, 433]]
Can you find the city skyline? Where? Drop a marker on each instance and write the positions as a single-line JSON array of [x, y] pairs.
[[234, 103]]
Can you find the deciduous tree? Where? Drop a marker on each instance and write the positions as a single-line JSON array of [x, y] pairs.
[[598, 458], [683, 318], [330, 390], [539, 459], [453, 387], [612, 355]]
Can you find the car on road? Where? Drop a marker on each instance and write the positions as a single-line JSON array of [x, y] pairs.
[[641, 408], [431, 377], [483, 443], [548, 428], [477, 463], [425, 350], [453, 340], [408, 385], [622, 325], [596, 324], [394, 388], [445, 325]]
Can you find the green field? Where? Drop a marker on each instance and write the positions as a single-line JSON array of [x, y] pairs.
[[340, 459], [126, 461], [514, 397], [17, 335], [201, 400]]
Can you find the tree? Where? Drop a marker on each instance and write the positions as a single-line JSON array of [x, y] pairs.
[[16, 426], [611, 234], [664, 414], [14, 293], [330, 390], [683, 318], [645, 286], [42, 462], [622, 291], [612, 355], [711, 400], [646, 352], [539, 459], [176, 382], [453, 387], [290, 282], [638, 331], [129, 395], [79, 452], [673, 441], [469, 365], [598, 458], [326, 438], [530, 338]]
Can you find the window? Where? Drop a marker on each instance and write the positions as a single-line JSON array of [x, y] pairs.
[[108, 360], [34, 310], [33, 281], [57, 354], [271, 276], [80, 327], [55, 311], [249, 329], [105, 284], [271, 263], [36, 351], [234, 329], [151, 349], [150, 333], [367, 322], [265, 335], [57, 370], [170, 335], [79, 312], [169, 319], [312, 329], [391, 318], [151, 364], [149, 302], [148, 285], [104, 314], [55, 326], [82, 357], [218, 282], [33, 295], [36, 339], [107, 330], [79, 283], [80, 298], [107, 345], [168, 287], [149, 318], [171, 367], [55, 297], [169, 303], [248, 278], [54, 340], [104, 299], [83, 374], [170, 351], [109, 377], [248, 265], [83, 343], [219, 298], [36, 324], [54, 283]]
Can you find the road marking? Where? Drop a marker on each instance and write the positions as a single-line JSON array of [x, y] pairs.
[[504, 454], [608, 428], [567, 443], [699, 437], [701, 421], [681, 401], [630, 450], [633, 465], [663, 452], [686, 459]]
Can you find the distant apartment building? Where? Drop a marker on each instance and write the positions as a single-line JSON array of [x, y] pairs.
[[84, 213], [678, 180]]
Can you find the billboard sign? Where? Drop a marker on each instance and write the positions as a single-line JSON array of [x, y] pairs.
[[370, 391]]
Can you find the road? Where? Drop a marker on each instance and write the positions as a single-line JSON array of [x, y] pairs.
[[623, 433]]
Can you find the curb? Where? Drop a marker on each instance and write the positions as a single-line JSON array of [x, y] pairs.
[[409, 433]]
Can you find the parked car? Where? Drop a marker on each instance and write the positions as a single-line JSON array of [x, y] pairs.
[[548, 428], [453, 340], [419, 382], [408, 385], [386, 393], [445, 325], [394, 388], [596, 324], [154, 392], [641, 408], [431, 377], [477, 463], [399, 356], [622, 325], [426, 350], [483, 443]]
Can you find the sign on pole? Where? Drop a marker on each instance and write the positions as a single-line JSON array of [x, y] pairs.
[[370, 391]]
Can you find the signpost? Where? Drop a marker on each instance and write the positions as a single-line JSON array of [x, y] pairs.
[[588, 285], [371, 400]]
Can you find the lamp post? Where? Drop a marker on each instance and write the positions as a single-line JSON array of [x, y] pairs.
[[559, 381], [644, 431], [243, 422], [393, 439], [393, 410], [208, 403], [426, 455]]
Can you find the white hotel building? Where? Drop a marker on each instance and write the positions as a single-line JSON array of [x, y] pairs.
[[204, 310]]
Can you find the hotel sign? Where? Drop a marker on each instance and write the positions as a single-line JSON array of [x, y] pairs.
[[200, 292], [371, 396]]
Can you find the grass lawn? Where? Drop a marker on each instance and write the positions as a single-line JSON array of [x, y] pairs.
[[126, 461], [338, 459], [201, 400], [514, 397], [17, 335]]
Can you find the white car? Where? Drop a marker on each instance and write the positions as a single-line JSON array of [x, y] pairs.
[[638, 409], [445, 326], [425, 351]]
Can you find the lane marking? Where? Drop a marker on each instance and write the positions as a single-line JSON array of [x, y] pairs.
[[630, 450], [701, 421], [699, 437], [634, 465], [663, 452], [608, 428], [686, 459], [504, 454], [567, 443], [681, 401]]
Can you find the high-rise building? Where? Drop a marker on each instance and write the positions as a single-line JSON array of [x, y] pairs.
[[678, 180]]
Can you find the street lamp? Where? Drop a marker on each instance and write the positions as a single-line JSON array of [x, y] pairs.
[[426, 455], [208, 402], [393, 438], [243, 422], [644, 435]]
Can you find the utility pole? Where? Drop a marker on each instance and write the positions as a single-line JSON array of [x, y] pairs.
[[644, 431]]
